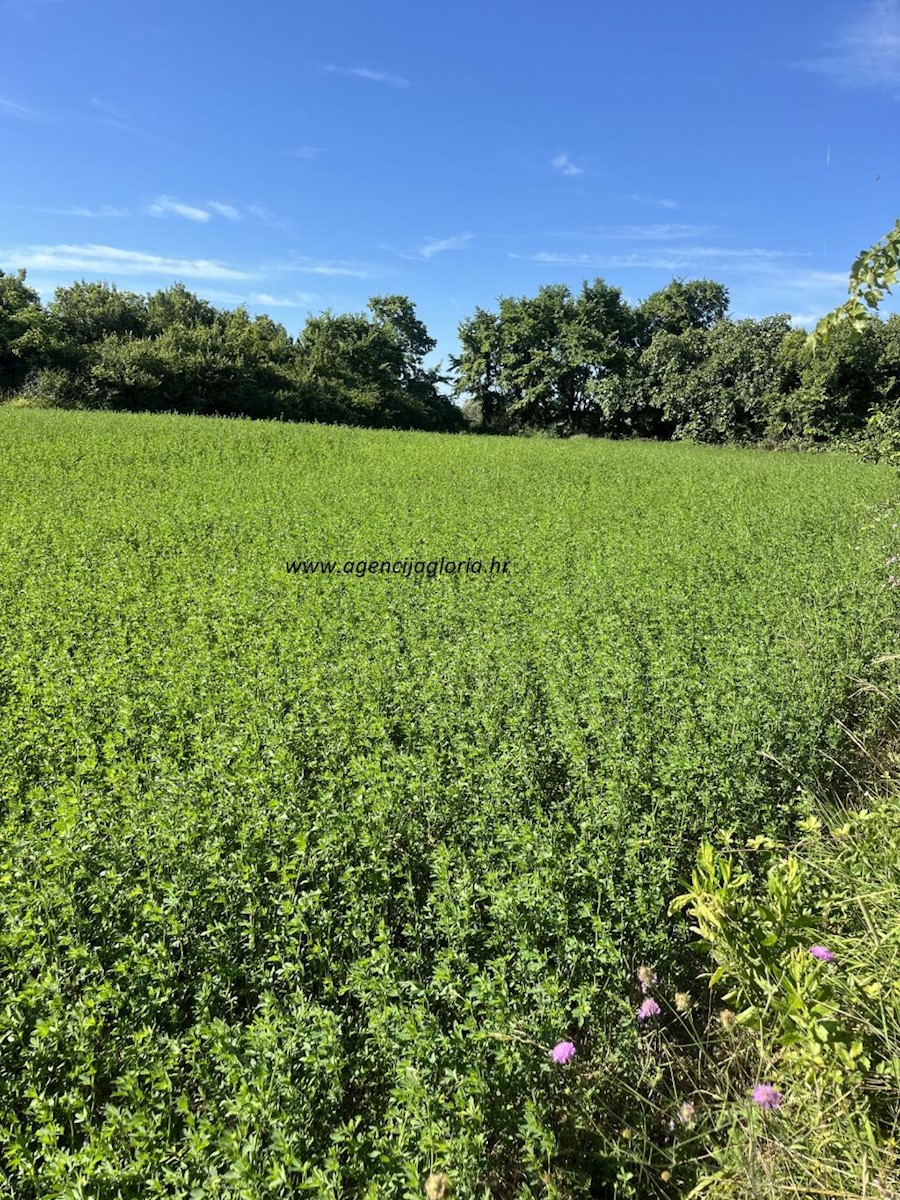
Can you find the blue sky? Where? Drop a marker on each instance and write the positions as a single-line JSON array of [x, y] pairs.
[[297, 157]]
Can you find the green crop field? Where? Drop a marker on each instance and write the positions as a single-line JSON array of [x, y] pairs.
[[302, 875]]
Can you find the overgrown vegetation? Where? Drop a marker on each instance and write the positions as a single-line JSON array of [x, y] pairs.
[[674, 367], [304, 877], [97, 347], [784, 1080]]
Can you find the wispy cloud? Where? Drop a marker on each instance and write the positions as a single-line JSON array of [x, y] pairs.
[[312, 266], [267, 217], [806, 294], [127, 127], [106, 210], [394, 81], [10, 109], [658, 203], [759, 279], [102, 115], [668, 258], [565, 165], [114, 118], [165, 206], [867, 53], [432, 246], [304, 152], [300, 300], [297, 300], [112, 261], [228, 211], [795, 278], [661, 232]]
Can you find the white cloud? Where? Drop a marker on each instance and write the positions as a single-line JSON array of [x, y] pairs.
[[867, 54], [565, 166], [217, 296], [754, 253], [312, 266], [395, 81], [223, 210], [806, 320], [300, 300], [660, 203], [760, 288], [164, 206], [297, 300], [106, 210], [661, 232], [112, 261], [801, 281], [11, 109], [667, 258], [432, 246], [304, 152]]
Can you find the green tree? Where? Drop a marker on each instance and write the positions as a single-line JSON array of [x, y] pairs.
[[871, 278], [369, 369], [21, 321], [538, 370], [477, 371], [546, 361], [602, 349], [744, 381], [672, 384], [839, 383], [396, 316], [177, 306], [680, 306], [888, 365], [81, 316]]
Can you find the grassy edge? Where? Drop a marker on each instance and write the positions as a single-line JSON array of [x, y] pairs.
[[784, 1079]]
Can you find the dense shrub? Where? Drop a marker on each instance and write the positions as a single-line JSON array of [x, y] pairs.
[[98, 347]]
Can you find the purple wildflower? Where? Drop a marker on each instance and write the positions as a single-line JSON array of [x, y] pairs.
[[821, 953], [766, 1096], [563, 1052], [648, 1009]]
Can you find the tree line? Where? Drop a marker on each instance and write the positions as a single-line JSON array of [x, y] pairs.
[[675, 366], [559, 362], [94, 346]]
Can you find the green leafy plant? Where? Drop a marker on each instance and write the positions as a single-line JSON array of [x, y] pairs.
[[872, 275]]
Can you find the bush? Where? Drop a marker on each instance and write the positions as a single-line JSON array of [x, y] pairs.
[[52, 387]]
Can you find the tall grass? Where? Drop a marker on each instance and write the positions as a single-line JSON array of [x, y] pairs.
[[805, 1000]]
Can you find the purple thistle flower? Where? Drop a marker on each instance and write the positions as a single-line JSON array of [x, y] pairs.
[[648, 1009], [766, 1096], [563, 1052], [821, 953]]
